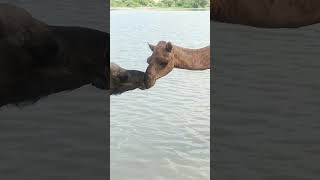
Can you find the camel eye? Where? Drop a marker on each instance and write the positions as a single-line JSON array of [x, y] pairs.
[[123, 78], [163, 64]]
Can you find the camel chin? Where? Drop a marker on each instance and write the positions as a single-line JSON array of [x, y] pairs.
[[123, 80]]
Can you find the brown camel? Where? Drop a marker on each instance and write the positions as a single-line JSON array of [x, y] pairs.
[[167, 56], [37, 59], [267, 13], [122, 80]]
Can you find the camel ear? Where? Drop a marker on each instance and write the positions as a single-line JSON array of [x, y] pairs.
[[169, 47], [151, 46]]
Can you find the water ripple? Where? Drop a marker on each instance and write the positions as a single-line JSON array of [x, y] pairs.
[[162, 132]]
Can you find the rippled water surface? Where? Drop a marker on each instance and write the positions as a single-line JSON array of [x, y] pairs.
[[163, 132], [266, 103]]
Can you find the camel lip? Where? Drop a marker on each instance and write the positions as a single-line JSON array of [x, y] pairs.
[[143, 86], [149, 82], [138, 78], [146, 81]]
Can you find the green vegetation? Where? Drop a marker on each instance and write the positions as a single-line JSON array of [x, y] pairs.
[[161, 3]]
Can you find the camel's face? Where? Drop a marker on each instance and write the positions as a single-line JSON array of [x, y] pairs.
[[122, 80], [160, 63]]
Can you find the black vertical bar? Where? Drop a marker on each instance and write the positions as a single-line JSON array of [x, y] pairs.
[[108, 87]]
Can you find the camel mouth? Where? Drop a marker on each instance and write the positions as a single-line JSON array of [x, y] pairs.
[[149, 81], [136, 79], [142, 86]]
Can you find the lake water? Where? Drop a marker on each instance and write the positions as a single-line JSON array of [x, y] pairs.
[[266, 106], [62, 136], [163, 132]]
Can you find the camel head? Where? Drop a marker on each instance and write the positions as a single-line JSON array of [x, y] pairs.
[[161, 62], [122, 80]]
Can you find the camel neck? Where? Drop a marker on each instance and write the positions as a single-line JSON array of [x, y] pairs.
[[266, 13], [191, 59]]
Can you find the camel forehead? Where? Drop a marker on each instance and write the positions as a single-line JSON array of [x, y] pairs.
[[161, 45], [159, 56], [160, 51]]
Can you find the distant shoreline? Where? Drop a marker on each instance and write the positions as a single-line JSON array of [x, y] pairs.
[[160, 9]]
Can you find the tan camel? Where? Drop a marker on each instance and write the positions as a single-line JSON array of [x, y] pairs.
[[166, 56], [37, 59], [267, 13]]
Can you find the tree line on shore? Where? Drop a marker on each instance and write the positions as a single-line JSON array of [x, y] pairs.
[[161, 3]]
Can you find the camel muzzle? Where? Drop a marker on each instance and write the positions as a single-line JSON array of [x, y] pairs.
[[149, 81]]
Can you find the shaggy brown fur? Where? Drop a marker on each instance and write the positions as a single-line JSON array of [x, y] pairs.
[[166, 56], [267, 13]]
